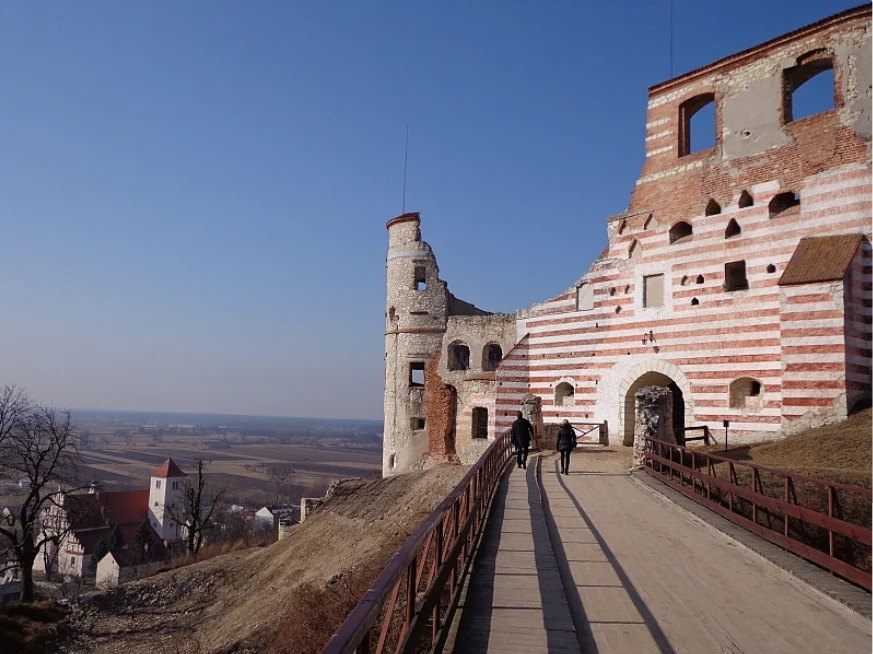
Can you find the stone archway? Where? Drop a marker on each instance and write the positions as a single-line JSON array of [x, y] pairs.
[[654, 373]]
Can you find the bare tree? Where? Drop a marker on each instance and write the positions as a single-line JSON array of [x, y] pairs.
[[280, 475], [195, 511], [14, 405], [41, 447]]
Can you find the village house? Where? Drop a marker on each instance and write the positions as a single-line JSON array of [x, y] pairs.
[[739, 277], [93, 516]]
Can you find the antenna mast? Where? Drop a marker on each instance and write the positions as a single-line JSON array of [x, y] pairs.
[[405, 165]]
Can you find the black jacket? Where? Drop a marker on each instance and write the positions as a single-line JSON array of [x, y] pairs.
[[522, 431], [566, 438]]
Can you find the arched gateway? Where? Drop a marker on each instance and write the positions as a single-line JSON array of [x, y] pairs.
[[654, 373]]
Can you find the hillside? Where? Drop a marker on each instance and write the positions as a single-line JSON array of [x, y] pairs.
[[235, 602], [840, 452]]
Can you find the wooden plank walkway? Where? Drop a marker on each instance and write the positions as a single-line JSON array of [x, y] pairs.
[[632, 572], [515, 600]]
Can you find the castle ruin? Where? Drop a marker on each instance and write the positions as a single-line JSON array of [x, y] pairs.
[[739, 277]]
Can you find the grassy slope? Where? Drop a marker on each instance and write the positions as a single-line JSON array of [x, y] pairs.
[[840, 452]]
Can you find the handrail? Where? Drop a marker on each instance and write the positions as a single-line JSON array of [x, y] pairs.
[[441, 547], [661, 456]]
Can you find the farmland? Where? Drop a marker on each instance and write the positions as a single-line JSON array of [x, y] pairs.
[[258, 460]]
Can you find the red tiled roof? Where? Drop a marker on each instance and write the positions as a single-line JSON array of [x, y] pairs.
[[125, 507], [821, 259], [169, 469]]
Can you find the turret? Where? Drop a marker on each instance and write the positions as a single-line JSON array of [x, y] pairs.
[[415, 320], [166, 488]]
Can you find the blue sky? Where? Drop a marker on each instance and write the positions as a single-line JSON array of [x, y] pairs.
[[193, 195]]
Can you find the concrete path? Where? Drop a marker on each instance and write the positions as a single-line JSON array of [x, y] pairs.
[[625, 570]]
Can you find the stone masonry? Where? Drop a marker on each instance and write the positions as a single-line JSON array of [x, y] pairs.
[[739, 276]]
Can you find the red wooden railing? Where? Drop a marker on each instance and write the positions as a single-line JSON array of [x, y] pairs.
[[694, 474], [413, 600]]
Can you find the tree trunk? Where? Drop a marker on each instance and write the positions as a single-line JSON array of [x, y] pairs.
[[26, 557]]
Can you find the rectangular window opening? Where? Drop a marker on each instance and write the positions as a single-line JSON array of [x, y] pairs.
[[420, 278], [584, 297], [416, 373], [480, 422], [653, 291], [735, 276], [418, 424]]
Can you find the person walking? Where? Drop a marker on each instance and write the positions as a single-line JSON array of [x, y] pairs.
[[566, 444], [522, 432]]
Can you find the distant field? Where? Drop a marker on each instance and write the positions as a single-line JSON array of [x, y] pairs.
[[123, 456]]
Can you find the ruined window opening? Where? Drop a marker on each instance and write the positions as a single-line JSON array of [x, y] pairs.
[[694, 302], [584, 297], [809, 87], [784, 204], [417, 424], [745, 393], [622, 226], [685, 281], [420, 278], [735, 276], [713, 208], [681, 232], [648, 221], [480, 422], [635, 250], [697, 124], [771, 268], [459, 357], [733, 229], [746, 200], [611, 291], [492, 356], [699, 279], [653, 291], [416, 373], [392, 314], [565, 394]]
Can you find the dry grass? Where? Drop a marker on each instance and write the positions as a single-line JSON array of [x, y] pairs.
[[31, 628]]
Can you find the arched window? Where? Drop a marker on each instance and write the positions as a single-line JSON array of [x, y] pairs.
[[784, 204], [621, 227], [680, 232], [459, 356], [746, 393], [713, 208], [564, 394], [699, 279], [694, 302], [697, 124], [480, 422], [771, 268], [809, 86], [732, 229], [492, 355], [746, 200]]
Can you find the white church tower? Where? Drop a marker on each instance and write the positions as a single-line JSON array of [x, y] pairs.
[[167, 488]]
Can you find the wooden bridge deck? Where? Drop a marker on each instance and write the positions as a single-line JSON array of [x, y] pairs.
[[593, 562]]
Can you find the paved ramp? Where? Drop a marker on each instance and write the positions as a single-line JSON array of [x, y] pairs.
[[594, 562]]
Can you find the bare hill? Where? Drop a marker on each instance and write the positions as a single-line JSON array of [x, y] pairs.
[[219, 604]]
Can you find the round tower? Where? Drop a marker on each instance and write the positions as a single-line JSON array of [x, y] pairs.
[[415, 321]]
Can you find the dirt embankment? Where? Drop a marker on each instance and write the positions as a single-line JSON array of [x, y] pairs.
[[234, 601]]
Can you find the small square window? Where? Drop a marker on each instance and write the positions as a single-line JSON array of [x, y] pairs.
[[735, 276], [416, 373], [420, 283], [418, 424]]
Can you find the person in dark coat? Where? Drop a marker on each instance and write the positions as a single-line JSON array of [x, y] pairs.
[[566, 444], [522, 432]]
